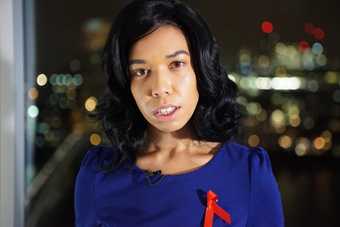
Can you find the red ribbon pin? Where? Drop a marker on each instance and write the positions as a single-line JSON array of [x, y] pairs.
[[213, 208]]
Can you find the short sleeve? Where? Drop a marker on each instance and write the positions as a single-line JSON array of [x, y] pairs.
[[84, 206], [265, 207]]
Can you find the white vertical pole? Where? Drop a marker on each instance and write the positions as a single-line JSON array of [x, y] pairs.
[[12, 124]]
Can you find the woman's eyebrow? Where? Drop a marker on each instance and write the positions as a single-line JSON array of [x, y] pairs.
[[177, 53], [141, 61]]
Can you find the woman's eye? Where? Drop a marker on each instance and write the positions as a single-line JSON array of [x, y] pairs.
[[141, 72], [177, 64]]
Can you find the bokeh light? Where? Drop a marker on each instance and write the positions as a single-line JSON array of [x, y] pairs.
[[303, 45], [317, 48], [267, 27], [42, 79], [331, 77], [91, 103], [95, 139], [33, 111], [285, 141], [253, 108], [319, 143], [294, 120], [253, 140], [33, 93], [318, 34], [302, 146], [277, 118]]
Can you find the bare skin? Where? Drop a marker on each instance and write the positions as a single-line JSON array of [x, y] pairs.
[[161, 73], [178, 163]]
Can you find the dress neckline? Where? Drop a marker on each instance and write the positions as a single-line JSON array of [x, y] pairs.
[[201, 168]]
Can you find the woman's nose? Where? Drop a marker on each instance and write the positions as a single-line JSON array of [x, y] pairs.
[[157, 94], [161, 84]]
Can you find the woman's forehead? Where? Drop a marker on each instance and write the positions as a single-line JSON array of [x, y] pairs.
[[165, 40]]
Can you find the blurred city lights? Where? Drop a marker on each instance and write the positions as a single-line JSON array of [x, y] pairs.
[[318, 34], [95, 139], [242, 100], [245, 61], [90, 104], [267, 27], [245, 57], [253, 140], [95, 31], [277, 118], [253, 108], [312, 85], [285, 141], [33, 93], [281, 71], [77, 79], [263, 83], [308, 60], [33, 111], [302, 146], [303, 45], [328, 146], [331, 77], [285, 83], [262, 116], [41, 79], [248, 82], [294, 120], [321, 60], [264, 77], [327, 135], [292, 108], [319, 143], [288, 56], [65, 79], [317, 48], [263, 61]]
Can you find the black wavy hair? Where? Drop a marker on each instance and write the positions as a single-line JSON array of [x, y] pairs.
[[216, 117]]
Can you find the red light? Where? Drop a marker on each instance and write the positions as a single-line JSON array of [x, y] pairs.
[[267, 27], [303, 45], [319, 34], [316, 32]]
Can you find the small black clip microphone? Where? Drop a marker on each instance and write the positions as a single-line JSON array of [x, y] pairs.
[[153, 173], [154, 177]]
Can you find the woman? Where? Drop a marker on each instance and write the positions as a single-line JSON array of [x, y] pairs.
[[170, 114]]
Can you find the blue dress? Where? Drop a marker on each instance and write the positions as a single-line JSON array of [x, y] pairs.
[[241, 176]]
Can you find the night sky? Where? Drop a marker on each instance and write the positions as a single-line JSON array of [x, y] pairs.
[[236, 24]]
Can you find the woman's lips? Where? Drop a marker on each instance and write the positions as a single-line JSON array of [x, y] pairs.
[[164, 107], [167, 117]]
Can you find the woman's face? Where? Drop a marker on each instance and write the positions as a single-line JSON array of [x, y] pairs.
[[161, 74]]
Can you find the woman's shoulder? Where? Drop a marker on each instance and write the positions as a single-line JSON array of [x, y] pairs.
[[97, 156], [244, 150], [257, 156]]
